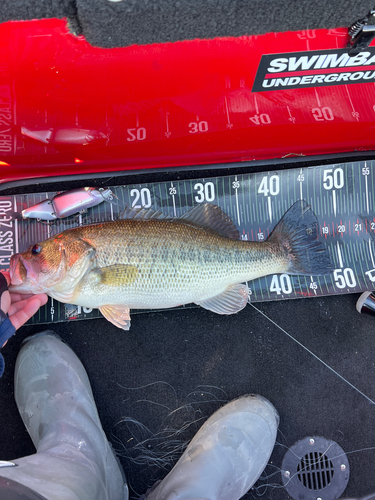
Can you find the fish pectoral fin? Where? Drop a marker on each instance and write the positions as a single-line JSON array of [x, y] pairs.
[[118, 315], [118, 274], [231, 301]]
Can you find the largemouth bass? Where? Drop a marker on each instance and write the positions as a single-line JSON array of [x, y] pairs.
[[147, 260]]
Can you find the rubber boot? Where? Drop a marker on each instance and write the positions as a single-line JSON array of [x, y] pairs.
[[226, 456], [74, 460]]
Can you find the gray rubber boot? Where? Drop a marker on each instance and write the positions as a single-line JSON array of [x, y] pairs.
[[74, 460], [226, 456]]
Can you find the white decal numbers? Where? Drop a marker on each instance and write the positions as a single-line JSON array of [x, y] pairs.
[[344, 278], [205, 192], [269, 185], [323, 114], [195, 127], [262, 119], [136, 134], [365, 170], [281, 284], [86, 310], [333, 179], [142, 195]]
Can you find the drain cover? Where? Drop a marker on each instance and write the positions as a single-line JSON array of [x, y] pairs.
[[315, 468]]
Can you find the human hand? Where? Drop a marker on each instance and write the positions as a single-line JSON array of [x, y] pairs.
[[20, 308]]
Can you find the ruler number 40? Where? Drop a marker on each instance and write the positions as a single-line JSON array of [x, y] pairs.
[[281, 284], [262, 119], [269, 185]]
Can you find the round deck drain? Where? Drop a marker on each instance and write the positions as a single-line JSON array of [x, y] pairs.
[[315, 468]]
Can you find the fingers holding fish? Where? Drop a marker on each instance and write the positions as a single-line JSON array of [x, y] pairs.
[[20, 312]]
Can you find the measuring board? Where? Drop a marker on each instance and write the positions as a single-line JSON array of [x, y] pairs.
[[341, 196]]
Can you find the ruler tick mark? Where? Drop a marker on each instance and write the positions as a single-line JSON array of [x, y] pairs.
[[339, 255], [229, 124], [371, 255], [334, 201], [270, 208], [174, 203], [238, 209]]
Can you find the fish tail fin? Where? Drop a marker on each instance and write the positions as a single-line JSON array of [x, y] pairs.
[[297, 233]]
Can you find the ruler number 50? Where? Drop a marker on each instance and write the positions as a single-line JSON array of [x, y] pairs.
[[333, 178], [344, 278]]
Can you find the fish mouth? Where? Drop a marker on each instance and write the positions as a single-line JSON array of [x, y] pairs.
[[18, 273]]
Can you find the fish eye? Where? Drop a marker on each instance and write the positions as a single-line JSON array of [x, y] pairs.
[[36, 249]]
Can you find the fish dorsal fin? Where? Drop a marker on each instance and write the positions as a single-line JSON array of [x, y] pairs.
[[212, 217], [207, 215], [143, 214]]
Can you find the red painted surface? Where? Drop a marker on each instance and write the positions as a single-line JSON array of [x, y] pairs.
[[67, 107]]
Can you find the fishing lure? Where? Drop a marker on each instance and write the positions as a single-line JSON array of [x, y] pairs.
[[75, 201]]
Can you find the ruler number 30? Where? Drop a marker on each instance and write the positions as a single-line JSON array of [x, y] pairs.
[[205, 192], [195, 127]]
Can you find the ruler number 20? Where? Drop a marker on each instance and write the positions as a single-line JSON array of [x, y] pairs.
[[143, 195]]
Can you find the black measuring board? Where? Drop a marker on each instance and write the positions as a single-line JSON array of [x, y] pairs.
[[341, 196]]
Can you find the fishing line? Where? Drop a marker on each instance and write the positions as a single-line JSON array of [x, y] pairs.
[[314, 355]]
